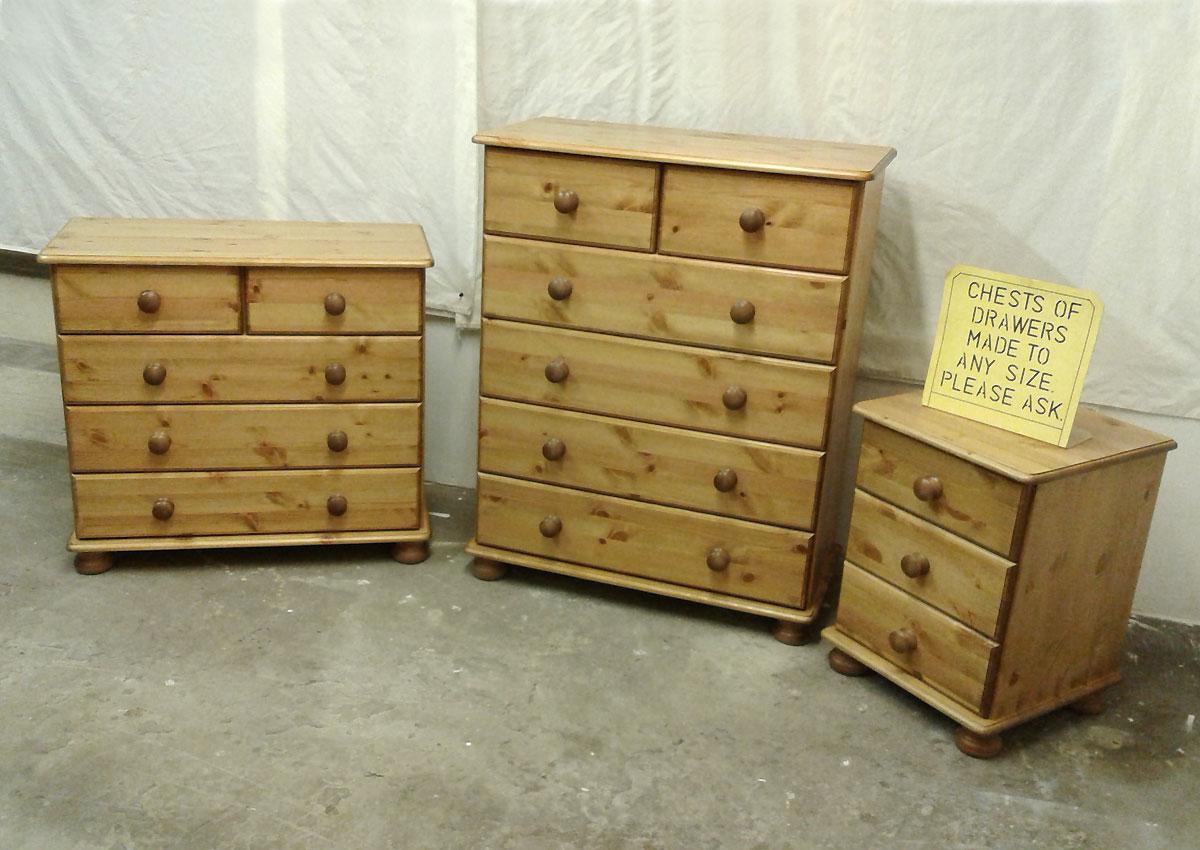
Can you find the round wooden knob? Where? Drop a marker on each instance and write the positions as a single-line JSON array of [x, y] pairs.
[[718, 559], [163, 509], [742, 312], [903, 640], [554, 449], [336, 505], [914, 566], [566, 201], [557, 370], [734, 398], [149, 301], [335, 303], [159, 443], [725, 480], [559, 288], [337, 441], [550, 526], [928, 488], [335, 373], [752, 219], [154, 374]]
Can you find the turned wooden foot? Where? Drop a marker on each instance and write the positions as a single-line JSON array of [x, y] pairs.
[[411, 551], [847, 665], [977, 746], [1090, 705], [93, 563], [793, 634], [485, 569]]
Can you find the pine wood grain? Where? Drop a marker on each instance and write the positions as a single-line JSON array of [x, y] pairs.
[[377, 301], [104, 299]]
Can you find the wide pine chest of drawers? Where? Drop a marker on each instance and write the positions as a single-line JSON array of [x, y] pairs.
[[236, 383], [670, 334]]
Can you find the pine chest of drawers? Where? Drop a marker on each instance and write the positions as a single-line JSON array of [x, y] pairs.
[[241, 383], [670, 334], [989, 574]]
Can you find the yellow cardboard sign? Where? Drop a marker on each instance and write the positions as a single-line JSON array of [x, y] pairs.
[[1012, 352]]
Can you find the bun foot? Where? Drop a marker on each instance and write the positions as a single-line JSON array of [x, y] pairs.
[[847, 665], [411, 551], [793, 634], [1090, 705], [485, 569], [977, 746], [93, 563]]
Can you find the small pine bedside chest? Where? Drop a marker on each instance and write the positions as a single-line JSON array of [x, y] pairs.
[[987, 573], [239, 383]]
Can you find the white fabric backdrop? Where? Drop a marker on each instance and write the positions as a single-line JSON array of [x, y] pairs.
[[1051, 139]]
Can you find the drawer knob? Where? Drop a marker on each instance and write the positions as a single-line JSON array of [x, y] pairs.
[[337, 441], [149, 301], [718, 559], [554, 449], [914, 566], [734, 398], [566, 201], [159, 443], [335, 303], [752, 219], [742, 312], [163, 509], [557, 370], [550, 526], [725, 480], [903, 641], [154, 374], [928, 488], [336, 505], [559, 288], [335, 373]]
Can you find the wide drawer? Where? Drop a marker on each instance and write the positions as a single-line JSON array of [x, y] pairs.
[[747, 559], [920, 640], [135, 438], [958, 495], [965, 581], [740, 394], [334, 301], [570, 198], [147, 299], [707, 472], [770, 219], [743, 308], [119, 369], [170, 504]]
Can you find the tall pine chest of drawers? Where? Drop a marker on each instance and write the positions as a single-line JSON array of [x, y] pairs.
[[235, 383], [670, 334]]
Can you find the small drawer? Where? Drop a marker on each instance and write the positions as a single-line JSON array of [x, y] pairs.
[[334, 301], [743, 395], [147, 299], [570, 198], [769, 219], [162, 369], [915, 637], [707, 472], [175, 504], [697, 550], [741, 308], [963, 580], [957, 495], [136, 438]]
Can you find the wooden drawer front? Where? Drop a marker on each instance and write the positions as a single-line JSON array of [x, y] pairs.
[[334, 301], [241, 368], [147, 299], [974, 502], [616, 198], [668, 544], [242, 436], [244, 502], [768, 483], [947, 655], [794, 314], [952, 575], [785, 401], [806, 221]]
